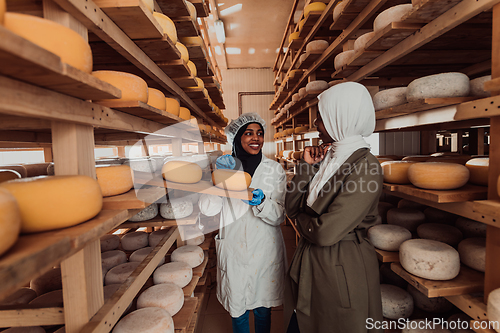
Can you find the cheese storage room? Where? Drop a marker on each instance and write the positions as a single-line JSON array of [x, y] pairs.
[[197, 166]]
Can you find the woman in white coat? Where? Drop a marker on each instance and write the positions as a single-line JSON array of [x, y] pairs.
[[250, 247]]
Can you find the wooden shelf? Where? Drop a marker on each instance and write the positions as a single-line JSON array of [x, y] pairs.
[[174, 68], [387, 256], [471, 305], [489, 208], [185, 81], [310, 21], [199, 270], [143, 110], [427, 10], [309, 59], [202, 281], [479, 108], [207, 243], [391, 35], [295, 44], [138, 198], [184, 317], [194, 92], [465, 193], [185, 26], [468, 281], [159, 221], [202, 9], [189, 289], [161, 49]]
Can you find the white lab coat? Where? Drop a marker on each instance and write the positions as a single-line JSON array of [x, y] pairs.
[[251, 260]]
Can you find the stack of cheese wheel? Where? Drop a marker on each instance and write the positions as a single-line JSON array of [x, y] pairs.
[[113, 258], [109, 242], [314, 7], [167, 25], [493, 306], [388, 237], [438, 175], [396, 172], [440, 232], [429, 259], [470, 228], [114, 179], [361, 42], [182, 172], [141, 254], [156, 99], [132, 86], [120, 273], [232, 180], [317, 46], [473, 253], [388, 98], [55, 202], [396, 302], [134, 240], [177, 272], [393, 14], [172, 106], [477, 87], [429, 304], [316, 86], [478, 168], [54, 37], [438, 86], [146, 320], [342, 59], [406, 217], [10, 220], [175, 209], [167, 296], [191, 254]]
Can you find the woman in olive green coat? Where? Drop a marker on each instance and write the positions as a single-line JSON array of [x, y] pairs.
[[333, 281]]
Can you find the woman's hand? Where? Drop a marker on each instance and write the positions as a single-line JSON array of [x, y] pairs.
[[315, 154]]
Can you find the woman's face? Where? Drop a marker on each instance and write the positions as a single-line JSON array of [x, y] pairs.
[[252, 139], [323, 134]]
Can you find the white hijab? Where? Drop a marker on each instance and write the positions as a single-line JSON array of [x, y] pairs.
[[348, 116]]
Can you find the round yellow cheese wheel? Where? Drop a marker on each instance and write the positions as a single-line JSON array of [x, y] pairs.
[[156, 99], [478, 168], [132, 86], [396, 172], [301, 129], [167, 25], [183, 50], [184, 113], [301, 24], [438, 175], [192, 10], [54, 37], [172, 106], [6, 175], [314, 7], [146, 320], [294, 35], [199, 82], [10, 220], [55, 202], [191, 40], [233, 180], [149, 4], [202, 127], [182, 172], [192, 68], [114, 179]]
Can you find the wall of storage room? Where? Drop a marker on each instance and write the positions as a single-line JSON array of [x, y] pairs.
[[428, 37]]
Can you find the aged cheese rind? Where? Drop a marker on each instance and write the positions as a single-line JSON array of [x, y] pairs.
[[176, 209], [393, 14], [396, 302], [120, 273], [470, 228], [134, 240], [146, 214], [141, 254], [146, 320], [438, 86], [191, 254], [10, 220], [342, 59], [167, 296], [440, 232], [388, 98], [473, 253], [388, 237], [113, 258], [438, 175], [109, 242], [178, 273], [477, 87]]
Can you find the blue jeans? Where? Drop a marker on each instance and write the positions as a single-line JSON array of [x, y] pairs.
[[262, 320]]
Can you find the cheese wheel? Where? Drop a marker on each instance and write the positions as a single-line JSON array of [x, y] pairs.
[[195, 240], [172, 106], [192, 10], [470, 228], [429, 259], [146, 214], [432, 305], [342, 59], [156, 236], [393, 14], [473, 253], [120, 273], [176, 209], [388, 237], [360, 42], [440, 232], [114, 179], [6, 175], [178, 273], [10, 220], [478, 168], [419, 326], [21, 296], [54, 37], [167, 25], [295, 97], [477, 87], [49, 281], [396, 172], [196, 40], [388, 98], [493, 306], [192, 68], [142, 165], [233, 180], [434, 215], [317, 46], [438, 175], [416, 158], [109, 242], [383, 208], [293, 35], [191, 254], [301, 129], [316, 86], [156, 99], [184, 113], [405, 203], [141, 254], [438, 86], [25, 329], [51, 299], [201, 159], [302, 92], [146, 320], [167, 296], [55, 202], [134, 240], [339, 8], [21, 169], [406, 217], [182, 172], [183, 50], [396, 302], [132, 86], [314, 7], [113, 258]]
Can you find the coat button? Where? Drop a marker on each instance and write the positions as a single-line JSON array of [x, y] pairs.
[[310, 230]]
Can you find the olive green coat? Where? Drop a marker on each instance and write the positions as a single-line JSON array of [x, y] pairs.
[[333, 280]]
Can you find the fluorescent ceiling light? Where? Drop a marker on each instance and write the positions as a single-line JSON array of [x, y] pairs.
[[231, 10], [251, 50], [233, 50], [219, 31], [218, 50]]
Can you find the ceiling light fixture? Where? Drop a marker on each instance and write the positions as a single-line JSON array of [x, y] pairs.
[[219, 31]]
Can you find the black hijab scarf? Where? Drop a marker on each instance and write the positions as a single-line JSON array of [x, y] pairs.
[[248, 161]]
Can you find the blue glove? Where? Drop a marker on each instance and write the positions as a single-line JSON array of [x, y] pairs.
[[258, 197], [225, 162]]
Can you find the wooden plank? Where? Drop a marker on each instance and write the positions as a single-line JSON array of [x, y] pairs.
[[428, 10], [162, 49], [35, 317], [174, 68], [173, 8], [309, 22], [194, 92], [492, 85], [199, 187], [466, 193], [185, 26], [202, 281], [387, 256], [133, 17], [467, 281], [185, 81], [473, 306], [196, 52], [207, 243], [161, 222], [189, 289], [202, 9], [362, 58], [480, 108], [391, 35], [142, 110], [489, 208], [183, 318], [295, 44], [138, 198]]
